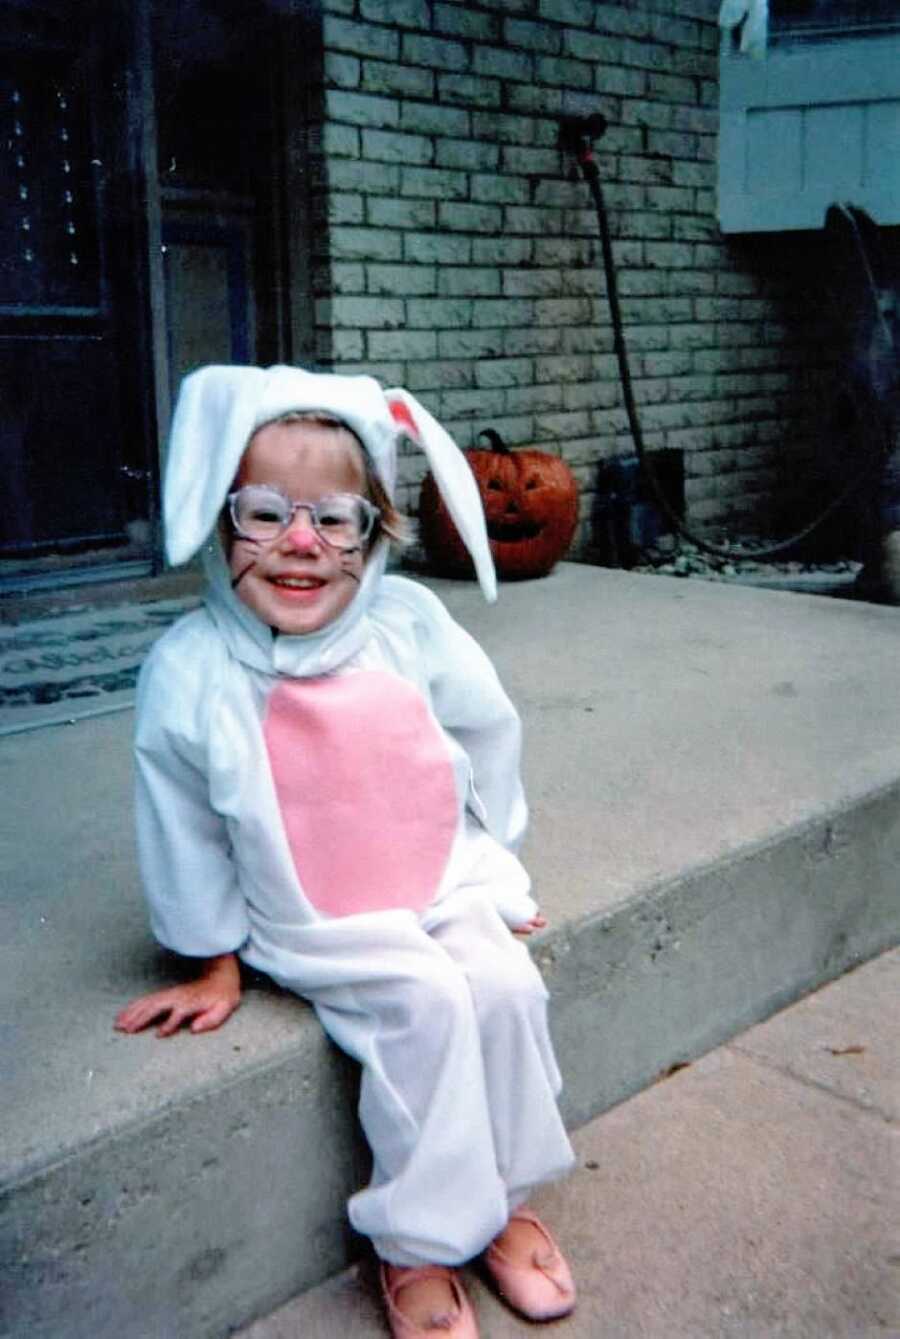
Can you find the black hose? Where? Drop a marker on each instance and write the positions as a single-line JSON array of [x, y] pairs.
[[592, 177]]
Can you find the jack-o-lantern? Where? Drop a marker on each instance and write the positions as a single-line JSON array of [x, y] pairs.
[[530, 503]]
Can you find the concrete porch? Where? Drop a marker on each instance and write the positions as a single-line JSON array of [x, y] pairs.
[[714, 774]]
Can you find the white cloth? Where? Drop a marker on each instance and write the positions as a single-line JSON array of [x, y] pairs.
[[459, 1082], [444, 1009], [753, 18]]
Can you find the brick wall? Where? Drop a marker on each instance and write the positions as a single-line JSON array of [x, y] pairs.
[[456, 256]]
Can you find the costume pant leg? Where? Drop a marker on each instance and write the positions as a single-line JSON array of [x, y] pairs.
[[522, 1079], [435, 1194]]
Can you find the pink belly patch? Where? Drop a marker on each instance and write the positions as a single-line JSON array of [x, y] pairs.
[[365, 787]]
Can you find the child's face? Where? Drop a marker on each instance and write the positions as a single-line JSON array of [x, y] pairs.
[[298, 583]]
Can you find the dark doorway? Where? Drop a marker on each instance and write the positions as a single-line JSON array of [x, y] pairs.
[[149, 168], [74, 472]]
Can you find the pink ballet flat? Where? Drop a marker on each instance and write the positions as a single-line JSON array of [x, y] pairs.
[[459, 1323], [542, 1290]]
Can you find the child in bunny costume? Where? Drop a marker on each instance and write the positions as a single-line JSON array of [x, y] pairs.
[[328, 789]]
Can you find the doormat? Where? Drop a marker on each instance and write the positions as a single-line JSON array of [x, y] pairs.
[[81, 662]]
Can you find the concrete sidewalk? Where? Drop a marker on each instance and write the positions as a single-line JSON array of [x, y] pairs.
[[754, 1193], [714, 775]]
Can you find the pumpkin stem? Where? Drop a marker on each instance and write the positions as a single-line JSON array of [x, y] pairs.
[[496, 442]]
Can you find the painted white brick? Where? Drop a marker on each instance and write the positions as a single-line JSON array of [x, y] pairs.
[[469, 218], [361, 109], [534, 99], [515, 429], [579, 12], [367, 313], [403, 13], [440, 375], [396, 213], [343, 71], [340, 345], [390, 146], [564, 72], [470, 343], [502, 250], [503, 128], [501, 312], [343, 277], [617, 79], [498, 372], [468, 154], [461, 21], [434, 183], [436, 248], [408, 81], [532, 339], [530, 283], [538, 399], [498, 189], [435, 52], [342, 208], [563, 368], [365, 244], [352, 174], [430, 119], [532, 161], [562, 311], [403, 344], [361, 39], [581, 283], [469, 90], [340, 141], [401, 280], [469, 281], [438, 314], [481, 402], [533, 221], [503, 63], [524, 35], [667, 364], [559, 427]]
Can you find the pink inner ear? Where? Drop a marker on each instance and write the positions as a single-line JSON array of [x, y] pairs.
[[402, 416], [366, 790]]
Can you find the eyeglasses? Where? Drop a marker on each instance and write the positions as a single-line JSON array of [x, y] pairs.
[[262, 512]]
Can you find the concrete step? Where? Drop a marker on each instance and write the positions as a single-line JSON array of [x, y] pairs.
[[743, 1198], [714, 774]]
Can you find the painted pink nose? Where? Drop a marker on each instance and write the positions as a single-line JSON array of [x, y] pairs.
[[300, 534]]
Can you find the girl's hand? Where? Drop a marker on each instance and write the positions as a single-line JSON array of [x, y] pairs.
[[204, 1004], [537, 922]]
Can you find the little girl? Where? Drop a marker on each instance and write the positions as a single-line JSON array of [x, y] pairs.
[[328, 790]]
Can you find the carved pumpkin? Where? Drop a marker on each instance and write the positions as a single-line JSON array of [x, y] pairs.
[[531, 505]]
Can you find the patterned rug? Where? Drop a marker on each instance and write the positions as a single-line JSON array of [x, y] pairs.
[[81, 662]]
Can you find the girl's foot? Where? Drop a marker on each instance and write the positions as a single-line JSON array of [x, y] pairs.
[[426, 1300], [529, 1270]]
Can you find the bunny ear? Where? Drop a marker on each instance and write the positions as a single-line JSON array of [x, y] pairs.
[[455, 481], [214, 416]]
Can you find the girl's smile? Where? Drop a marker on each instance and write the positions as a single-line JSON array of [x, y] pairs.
[[297, 582]]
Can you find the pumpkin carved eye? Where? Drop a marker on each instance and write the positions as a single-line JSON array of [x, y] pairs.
[[532, 483], [495, 486]]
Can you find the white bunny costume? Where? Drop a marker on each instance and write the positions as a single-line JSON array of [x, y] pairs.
[[341, 810]]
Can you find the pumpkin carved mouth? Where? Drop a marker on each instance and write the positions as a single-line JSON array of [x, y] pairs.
[[512, 532]]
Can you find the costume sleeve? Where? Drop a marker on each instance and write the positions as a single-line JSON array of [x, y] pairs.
[[196, 905], [472, 706]]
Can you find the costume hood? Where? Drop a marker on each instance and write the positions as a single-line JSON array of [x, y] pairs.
[[219, 408]]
